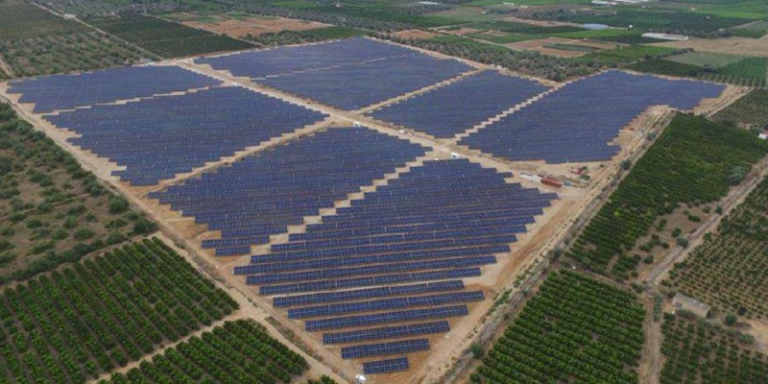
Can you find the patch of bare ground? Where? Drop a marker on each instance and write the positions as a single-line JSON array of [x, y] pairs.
[[730, 45], [415, 34], [253, 26]]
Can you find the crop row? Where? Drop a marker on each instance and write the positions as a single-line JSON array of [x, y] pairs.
[[690, 163], [95, 316], [750, 109], [728, 270], [239, 352], [698, 352], [576, 329], [164, 38]]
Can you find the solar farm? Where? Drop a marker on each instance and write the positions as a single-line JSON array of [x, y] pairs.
[[370, 198]]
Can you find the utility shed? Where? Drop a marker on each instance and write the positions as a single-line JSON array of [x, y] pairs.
[[691, 305]]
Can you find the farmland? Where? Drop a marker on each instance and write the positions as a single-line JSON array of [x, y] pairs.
[[92, 317], [749, 110], [687, 166], [695, 350], [51, 210], [164, 38], [727, 269], [36, 42], [239, 349], [573, 318]]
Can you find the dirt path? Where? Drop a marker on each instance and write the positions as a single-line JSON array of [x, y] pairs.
[[737, 194], [4, 67], [650, 362]]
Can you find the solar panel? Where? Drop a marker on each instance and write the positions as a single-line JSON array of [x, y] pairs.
[[385, 366], [385, 304], [386, 333], [58, 92], [481, 97], [577, 122], [385, 318], [382, 349], [359, 294]]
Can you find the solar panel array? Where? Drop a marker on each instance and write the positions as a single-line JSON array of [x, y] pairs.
[[438, 222], [352, 87], [386, 366], [264, 193], [383, 349], [59, 92], [300, 58], [457, 107], [160, 137], [577, 122]]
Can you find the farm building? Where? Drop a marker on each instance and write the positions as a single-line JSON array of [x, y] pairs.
[[692, 305]]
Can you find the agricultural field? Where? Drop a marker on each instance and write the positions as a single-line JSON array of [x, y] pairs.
[[574, 328], [748, 72], [51, 210], [303, 37], [93, 317], [35, 42], [699, 352], [665, 67], [626, 55], [689, 168], [705, 59], [165, 38], [727, 270], [239, 350], [748, 110]]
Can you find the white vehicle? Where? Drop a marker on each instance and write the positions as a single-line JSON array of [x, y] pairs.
[[361, 379]]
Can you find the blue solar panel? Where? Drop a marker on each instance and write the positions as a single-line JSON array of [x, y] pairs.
[[385, 318], [386, 333], [385, 304], [393, 348], [161, 137], [368, 293], [360, 85], [264, 193], [385, 366], [577, 122], [291, 59], [481, 97], [57, 92]]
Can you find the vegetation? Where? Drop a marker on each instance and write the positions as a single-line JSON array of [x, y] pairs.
[[165, 38], [36, 42], [531, 63], [51, 210], [627, 55], [750, 110], [95, 316], [307, 36], [665, 67], [238, 352], [576, 329], [750, 72], [698, 352], [323, 380], [728, 269], [688, 164]]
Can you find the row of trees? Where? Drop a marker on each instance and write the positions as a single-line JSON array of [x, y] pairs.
[[728, 270], [239, 352], [698, 352], [575, 329], [101, 314], [689, 164]]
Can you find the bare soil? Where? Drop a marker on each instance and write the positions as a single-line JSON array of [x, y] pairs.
[[731, 45], [253, 26], [416, 34]]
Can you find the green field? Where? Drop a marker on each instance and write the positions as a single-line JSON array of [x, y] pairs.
[[626, 55], [93, 317], [239, 349], [164, 38], [705, 59], [750, 72], [665, 67], [580, 329], [696, 351], [727, 270], [308, 36], [688, 165], [51, 210], [750, 109], [36, 42]]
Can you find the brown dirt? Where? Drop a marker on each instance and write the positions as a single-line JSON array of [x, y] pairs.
[[731, 45], [462, 31], [415, 34], [254, 26], [528, 44], [558, 52], [539, 23]]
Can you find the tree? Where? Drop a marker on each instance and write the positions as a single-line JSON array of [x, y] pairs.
[[730, 319]]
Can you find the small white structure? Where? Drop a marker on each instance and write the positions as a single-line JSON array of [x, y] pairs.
[[603, 2], [763, 136], [690, 304], [665, 36], [455, 156], [360, 379], [357, 124], [69, 16]]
